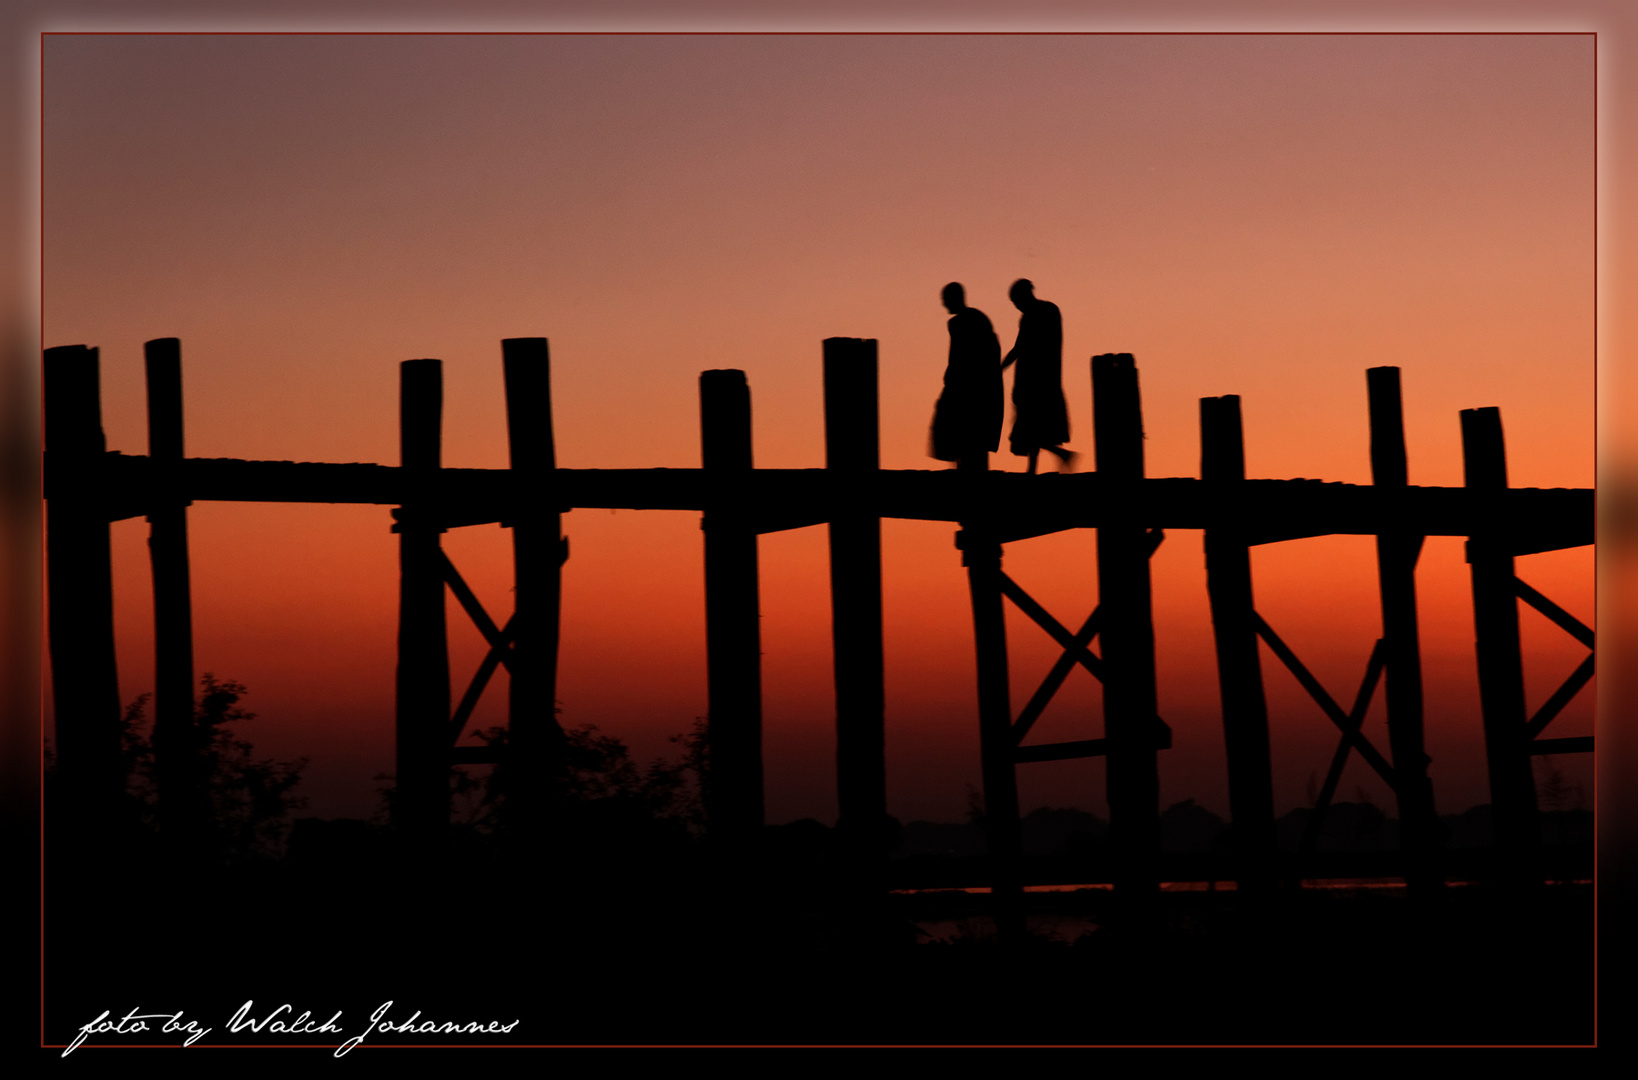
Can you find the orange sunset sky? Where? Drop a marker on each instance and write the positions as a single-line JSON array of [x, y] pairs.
[[1265, 216]]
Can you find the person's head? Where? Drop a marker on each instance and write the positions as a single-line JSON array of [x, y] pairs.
[[1022, 292], [954, 296]]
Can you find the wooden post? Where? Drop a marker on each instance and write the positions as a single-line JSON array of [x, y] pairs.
[[733, 638], [183, 809], [1496, 644], [853, 458], [981, 554], [80, 603], [535, 739], [1129, 707], [1239, 666], [980, 548], [421, 803], [1397, 550]]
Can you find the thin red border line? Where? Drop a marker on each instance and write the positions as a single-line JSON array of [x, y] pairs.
[[796, 33], [1596, 591], [819, 33]]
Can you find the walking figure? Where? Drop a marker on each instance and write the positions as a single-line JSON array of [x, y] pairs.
[[1040, 417], [967, 419]]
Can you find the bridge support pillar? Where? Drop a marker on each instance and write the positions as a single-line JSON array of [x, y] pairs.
[[853, 458], [177, 754], [535, 742], [421, 801], [80, 607], [1131, 723], [1397, 551], [1513, 808], [733, 638], [1239, 667]]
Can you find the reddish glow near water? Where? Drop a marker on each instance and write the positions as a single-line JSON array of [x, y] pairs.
[[1264, 216]]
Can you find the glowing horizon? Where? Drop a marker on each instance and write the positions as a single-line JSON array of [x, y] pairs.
[[1260, 216]]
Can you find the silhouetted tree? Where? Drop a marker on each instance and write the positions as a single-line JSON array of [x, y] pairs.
[[602, 791], [246, 801]]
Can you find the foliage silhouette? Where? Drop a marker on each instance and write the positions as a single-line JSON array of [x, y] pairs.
[[245, 803], [603, 797]]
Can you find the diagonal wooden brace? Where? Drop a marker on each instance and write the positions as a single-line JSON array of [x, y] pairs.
[[499, 653], [474, 610], [1563, 619], [1074, 650], [1356, 718], [1323, 700], [1561, 697]]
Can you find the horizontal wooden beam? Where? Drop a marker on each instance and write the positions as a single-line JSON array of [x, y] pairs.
[[1574, 744], [1265, 511], [1062, 751]]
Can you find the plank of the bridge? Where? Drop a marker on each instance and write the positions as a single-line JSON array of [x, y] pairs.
[[1525, 520]]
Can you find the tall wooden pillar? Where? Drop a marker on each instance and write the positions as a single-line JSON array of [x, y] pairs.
[[733, 638], [535, 739], [852, 457], [981, 554], [1397, 550], [1496, 644], [1239, 666], [182, 804], [80, 601], [1130, 718], [421, 803]]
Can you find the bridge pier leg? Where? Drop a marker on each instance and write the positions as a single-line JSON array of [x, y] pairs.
[[535, 743], [421, 803], [1239, 666], [1131, 724], [853, 458], [183, 811], [733, 637], [981, 555], [1496, 643], [80, 607], [1397, 551]]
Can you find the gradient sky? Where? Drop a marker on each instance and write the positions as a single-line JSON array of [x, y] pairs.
[[1260, 215]]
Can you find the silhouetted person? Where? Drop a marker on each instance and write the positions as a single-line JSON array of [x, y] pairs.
[[1041, 419], [967, 419]]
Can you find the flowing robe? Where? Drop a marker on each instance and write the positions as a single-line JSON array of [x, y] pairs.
[[1040, 417], [967, 419]]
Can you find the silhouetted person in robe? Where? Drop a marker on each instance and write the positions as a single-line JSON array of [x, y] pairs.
[[967, 419], [1040, 417]]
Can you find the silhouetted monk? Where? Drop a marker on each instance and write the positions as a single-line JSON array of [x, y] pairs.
[[1041, 419], [967, 419]]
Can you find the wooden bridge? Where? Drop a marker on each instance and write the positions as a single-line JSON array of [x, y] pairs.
[[87, 487]]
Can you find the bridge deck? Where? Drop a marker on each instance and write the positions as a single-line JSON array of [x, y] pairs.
[[1523, 520]]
